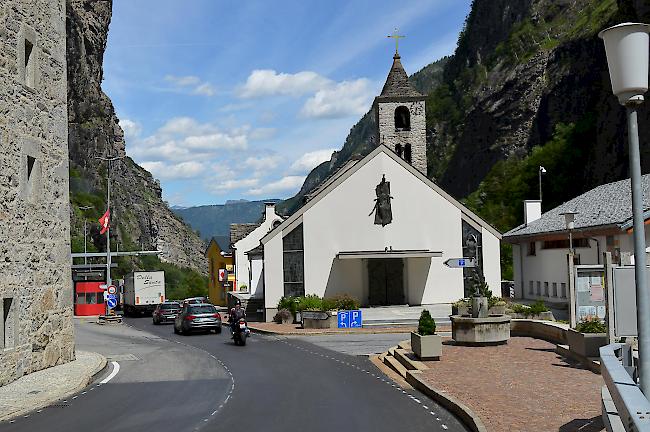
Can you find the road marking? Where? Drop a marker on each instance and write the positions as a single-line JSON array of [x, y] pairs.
[[116, 369]]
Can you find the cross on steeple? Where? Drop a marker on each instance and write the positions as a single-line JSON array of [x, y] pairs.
[[397, 37]]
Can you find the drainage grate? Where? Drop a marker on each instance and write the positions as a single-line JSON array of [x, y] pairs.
[[122, 357]]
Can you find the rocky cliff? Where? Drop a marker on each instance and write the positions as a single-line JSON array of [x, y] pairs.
[[140, 218], [525, 74]]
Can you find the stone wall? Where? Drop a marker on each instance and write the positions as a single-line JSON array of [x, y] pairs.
[[416, 137], [36, 329]]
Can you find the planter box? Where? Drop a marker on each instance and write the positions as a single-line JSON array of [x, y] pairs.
[[460, 310], [586, 344], [498, 310], [426, 347], [319, 320]]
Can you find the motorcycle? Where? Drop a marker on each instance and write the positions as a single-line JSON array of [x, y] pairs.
[[240, 332]]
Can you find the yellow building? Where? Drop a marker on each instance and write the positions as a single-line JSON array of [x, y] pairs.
[[219, 257]]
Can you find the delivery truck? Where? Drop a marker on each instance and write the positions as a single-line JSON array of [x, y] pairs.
[[143, 290]]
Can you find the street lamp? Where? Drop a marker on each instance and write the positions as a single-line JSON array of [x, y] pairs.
[[569, 223], [85, 222], [626, 46]]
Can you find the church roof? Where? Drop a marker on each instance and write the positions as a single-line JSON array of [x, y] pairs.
[[397, 84], [343, 174], [240, 230]]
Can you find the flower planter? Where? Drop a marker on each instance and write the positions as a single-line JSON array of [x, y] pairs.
[[426, 347], [319, 319], [586, 344], [460, 310], [498, 310], [288, 320]]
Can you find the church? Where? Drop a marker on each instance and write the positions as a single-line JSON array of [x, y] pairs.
[[378, 229]]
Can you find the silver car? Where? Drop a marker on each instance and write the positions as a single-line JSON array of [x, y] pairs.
[[202, 316]]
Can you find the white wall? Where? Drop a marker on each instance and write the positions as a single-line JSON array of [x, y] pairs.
[[251, 241], [492, 261], [340, 221]]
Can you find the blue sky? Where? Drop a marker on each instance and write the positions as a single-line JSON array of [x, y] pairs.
[[241, 99]]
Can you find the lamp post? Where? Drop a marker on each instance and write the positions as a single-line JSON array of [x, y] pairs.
[[626, 46], [569, 223], [541, 171], [85, 222]]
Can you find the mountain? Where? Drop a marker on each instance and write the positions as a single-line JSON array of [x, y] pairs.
[[527, 85], [139, 216], [214, 220]]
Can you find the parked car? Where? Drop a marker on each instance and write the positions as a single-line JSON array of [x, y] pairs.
[[197, 316], [166, 312]]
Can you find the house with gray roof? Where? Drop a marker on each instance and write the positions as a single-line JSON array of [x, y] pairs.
[[603, 223]]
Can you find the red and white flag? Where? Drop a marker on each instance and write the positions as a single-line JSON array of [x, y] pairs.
[[104, 222]]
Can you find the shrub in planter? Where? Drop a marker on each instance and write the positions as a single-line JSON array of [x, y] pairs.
[[345, 302], [498, 307], [426, 344], [461, 307], [284, 316], [310, 302], [289, 303], [587, 338]]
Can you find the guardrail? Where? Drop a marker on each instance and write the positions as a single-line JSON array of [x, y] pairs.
[[619, 374]]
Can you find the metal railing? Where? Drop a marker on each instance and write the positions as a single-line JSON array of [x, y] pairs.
[[619, 374]]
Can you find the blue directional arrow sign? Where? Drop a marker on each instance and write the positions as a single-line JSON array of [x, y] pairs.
[[461, 263], [111, 302]]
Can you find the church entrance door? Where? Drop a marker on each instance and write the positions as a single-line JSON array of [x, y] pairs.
[[386, 281]]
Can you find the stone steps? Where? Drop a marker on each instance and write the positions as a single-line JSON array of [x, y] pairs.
[[395, 365]]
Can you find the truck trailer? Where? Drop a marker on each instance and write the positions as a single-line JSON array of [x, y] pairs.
[[143, 290]]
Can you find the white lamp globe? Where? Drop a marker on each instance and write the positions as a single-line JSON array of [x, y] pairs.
[[626, 47]]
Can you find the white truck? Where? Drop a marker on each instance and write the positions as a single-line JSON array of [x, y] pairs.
[[143, 291]]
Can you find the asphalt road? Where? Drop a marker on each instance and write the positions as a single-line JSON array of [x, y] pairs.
[[282, 384], [169, 382], [356, 344], [160, 386]]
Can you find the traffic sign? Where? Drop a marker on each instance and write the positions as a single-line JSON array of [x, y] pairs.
[[111, 296], [111, 302], [223, 275], [112, 289], [460, 262], [349, 319]]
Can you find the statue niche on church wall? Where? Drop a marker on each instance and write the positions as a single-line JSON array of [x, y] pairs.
[[382, 210]]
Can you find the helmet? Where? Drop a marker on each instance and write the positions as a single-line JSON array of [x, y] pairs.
[[238, 303]]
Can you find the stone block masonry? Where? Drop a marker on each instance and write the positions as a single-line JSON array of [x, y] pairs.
[[415, 137], [36, 329]]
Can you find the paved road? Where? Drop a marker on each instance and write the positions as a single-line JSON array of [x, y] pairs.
[[358, 344], [289, 383], [160, 386]]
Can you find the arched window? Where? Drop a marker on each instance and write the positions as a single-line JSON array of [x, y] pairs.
[[398, 150], [407, 153], [402, 118]]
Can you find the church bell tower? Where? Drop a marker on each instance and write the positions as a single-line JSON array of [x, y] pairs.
[[400, 117]]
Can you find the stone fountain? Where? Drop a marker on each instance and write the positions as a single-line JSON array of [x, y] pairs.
[[480, 328]]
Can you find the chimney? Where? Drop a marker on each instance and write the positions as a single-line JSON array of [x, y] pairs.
[[532, 210], [269, 210]]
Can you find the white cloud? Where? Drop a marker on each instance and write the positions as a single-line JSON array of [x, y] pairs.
[[192, 82], [285, 184], [262, 163], [183, 170], [229, 185], [183, 81], [341, 100], [131, 128], [204, 89], [310, 160], [267, 82], [216, 141], [262, 133]]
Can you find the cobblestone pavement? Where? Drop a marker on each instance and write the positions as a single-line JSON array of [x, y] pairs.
[[39, 389], [521, 386]]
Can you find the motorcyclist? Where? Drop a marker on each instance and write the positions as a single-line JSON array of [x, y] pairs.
[[235, 315]]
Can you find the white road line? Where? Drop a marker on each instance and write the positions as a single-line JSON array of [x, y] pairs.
[[116, 369]]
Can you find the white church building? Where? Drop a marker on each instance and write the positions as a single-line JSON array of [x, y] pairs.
[[379, 229]]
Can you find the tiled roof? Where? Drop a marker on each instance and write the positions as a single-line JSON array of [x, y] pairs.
[[223, 242], [258, 250], [240, 230], [397, 84], [609, 204]]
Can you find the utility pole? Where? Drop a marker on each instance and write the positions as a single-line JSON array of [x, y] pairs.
[[84, 208], [108, 160]]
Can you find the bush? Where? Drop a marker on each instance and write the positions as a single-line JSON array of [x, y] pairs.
[[461, 303], [426, 324], [538, 307], [282, 315], [329, 304], [590, 325], [288, 302], [310, 302], [344, 302]]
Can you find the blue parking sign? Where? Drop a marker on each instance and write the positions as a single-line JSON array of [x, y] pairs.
[[349, 319]]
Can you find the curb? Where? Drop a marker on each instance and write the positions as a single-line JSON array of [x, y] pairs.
[[83, 383], [320, 333], [453, 405]]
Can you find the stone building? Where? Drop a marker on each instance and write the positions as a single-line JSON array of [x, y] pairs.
[[36, 329]]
